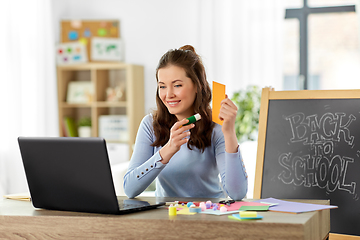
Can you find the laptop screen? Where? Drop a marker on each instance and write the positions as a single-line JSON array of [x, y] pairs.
[[70, 174]]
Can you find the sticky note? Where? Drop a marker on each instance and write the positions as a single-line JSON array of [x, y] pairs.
[[254, 208], [237, 217], [218, 94], [248, 214]]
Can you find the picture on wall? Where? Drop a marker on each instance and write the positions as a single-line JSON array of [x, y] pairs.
[[70, 53], [106, 49]]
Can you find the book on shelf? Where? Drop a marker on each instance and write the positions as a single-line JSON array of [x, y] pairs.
[[70, 129]]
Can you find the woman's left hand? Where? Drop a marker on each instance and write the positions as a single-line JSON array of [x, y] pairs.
[[228, 111]]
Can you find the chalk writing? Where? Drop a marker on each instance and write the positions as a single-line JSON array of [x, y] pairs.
[[322, 167]]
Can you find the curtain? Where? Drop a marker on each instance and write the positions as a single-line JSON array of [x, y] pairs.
[[241, 42], [28, 98]]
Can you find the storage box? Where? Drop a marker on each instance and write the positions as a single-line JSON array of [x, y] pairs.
[[114, 127]]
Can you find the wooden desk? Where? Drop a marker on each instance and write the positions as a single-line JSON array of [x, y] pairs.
[[20, 220]]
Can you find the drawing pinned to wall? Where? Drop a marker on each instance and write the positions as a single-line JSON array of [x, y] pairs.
[[80, 92], [107, 49], [85, 30], [70, 53]]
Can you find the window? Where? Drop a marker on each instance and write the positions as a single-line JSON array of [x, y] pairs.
[[334, 50], [327, 47]]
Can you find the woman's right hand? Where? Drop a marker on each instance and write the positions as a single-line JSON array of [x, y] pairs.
[[178, 137]]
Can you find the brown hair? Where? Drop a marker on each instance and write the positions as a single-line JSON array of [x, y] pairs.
[[200, 137]]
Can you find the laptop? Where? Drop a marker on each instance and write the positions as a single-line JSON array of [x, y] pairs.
[[73, 174]]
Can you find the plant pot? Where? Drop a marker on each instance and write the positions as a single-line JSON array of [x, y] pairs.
[[84, 131]]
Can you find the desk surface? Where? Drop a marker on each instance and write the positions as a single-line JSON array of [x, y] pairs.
[[21, 219]]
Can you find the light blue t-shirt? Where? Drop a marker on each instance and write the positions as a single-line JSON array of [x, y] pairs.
[[189, 173]]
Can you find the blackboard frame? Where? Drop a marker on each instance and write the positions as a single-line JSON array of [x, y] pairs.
[[269, 94]]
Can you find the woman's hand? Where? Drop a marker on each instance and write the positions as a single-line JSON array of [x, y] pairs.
[[178, 137], [228, 112]]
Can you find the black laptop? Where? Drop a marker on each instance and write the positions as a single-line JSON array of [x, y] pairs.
[[73, 174]]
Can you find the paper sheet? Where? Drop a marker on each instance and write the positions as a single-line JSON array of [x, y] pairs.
[[294, 207], [254, 208], [218, 94], [19, 196]]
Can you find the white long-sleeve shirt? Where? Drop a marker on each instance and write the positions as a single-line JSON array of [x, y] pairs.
[[189, 173]]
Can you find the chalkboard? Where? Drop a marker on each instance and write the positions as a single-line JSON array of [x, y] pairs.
[[309, 148]]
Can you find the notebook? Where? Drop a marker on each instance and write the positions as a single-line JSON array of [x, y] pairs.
[[73, 174]]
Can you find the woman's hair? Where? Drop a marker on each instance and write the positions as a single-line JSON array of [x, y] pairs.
[[200, 137]]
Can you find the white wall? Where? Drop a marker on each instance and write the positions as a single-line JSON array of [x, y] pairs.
[[240, 42], [148, 28]]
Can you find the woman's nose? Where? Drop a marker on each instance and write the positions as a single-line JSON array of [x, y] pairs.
[[170, 93]]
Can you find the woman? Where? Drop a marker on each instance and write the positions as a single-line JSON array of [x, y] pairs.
[[186, 160]]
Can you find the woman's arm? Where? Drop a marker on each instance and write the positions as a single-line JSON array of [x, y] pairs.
[[145, 164], [229, 159], [231, 167]]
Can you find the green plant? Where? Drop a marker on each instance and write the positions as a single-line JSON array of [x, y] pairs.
[[247, 118], [84, 122]]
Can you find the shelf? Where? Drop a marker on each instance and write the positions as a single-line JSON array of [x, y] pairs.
[[94, 66], [75, 105], [94, 104], [128, 78], [111, 104]]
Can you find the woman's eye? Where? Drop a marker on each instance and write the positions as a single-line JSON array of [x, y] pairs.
[[161, 87], [179, 85]]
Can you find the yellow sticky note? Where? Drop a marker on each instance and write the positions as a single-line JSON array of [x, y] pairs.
[[218, 94], [248, 214]]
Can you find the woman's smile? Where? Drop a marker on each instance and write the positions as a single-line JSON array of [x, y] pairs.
[[173, 103]]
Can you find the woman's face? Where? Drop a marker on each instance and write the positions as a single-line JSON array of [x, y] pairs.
[[176, 91]]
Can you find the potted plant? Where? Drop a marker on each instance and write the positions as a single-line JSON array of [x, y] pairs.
[[247, 118], [246, 127], [84, 127]]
